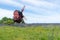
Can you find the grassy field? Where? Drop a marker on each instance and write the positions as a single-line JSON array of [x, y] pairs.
[[30, 33]]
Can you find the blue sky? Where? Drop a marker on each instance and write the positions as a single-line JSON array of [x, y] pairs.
[[36, 11]]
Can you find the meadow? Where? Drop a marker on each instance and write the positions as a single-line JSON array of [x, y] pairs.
[[30, 33]]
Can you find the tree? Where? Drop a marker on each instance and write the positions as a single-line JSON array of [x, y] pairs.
[[6, 20]]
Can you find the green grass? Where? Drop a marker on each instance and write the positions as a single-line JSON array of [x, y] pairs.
[[29, 33]]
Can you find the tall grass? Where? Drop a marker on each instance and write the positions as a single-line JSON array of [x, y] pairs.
[[30, 33]]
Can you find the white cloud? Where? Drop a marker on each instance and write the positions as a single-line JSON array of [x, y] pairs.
[[33, 18], [41, 7], [39, 3], [6, 13]]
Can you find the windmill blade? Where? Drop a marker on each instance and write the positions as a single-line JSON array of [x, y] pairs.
[[25, 18], [23, 9]]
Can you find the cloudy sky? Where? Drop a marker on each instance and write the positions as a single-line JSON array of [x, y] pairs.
[[36, 11]]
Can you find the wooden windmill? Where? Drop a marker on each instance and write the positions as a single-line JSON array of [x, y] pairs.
[[18, 16]]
